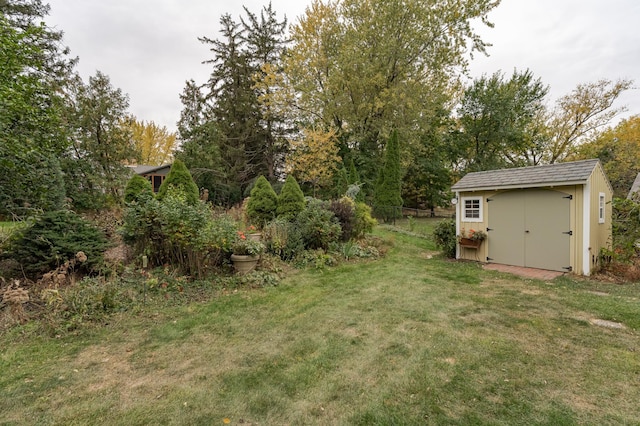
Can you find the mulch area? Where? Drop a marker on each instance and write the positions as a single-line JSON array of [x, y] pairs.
[[539, 274]]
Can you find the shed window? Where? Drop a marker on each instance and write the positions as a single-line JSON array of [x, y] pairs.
[[472, 209], [601, 203]]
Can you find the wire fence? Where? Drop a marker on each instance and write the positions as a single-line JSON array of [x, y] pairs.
[[390, 213]]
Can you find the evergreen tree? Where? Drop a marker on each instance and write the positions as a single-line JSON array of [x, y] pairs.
[[262, 206], [265, 43], [340, 182], [199, 148], [291, 199], [388, 191], [352, 172], [234, 106], [180, 178]]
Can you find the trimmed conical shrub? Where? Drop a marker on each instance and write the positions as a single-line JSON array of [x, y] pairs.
[[291, 199], [180, 178], [137, 187], [263, 203]]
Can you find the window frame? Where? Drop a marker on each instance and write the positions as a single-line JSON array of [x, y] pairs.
[[602, 202], [465, 209]]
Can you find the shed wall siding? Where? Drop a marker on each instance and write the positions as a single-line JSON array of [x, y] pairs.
[[480, 253], [600, 233]]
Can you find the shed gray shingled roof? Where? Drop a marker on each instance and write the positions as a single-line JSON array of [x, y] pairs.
[[528, 177]]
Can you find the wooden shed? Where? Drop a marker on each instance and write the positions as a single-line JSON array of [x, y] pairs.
[[555, 217]]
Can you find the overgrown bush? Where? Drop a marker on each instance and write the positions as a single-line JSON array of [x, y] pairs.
[[137, 188], [180, 233], [318, 225], [262, 205], [180, 178], [345, 212], [444, 235], [54, 238], [283, 239], [142, 229], [291, 199]]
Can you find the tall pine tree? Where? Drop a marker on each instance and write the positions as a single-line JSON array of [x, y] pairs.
[[234, 106]]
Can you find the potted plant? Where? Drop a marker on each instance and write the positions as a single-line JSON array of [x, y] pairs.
[[253, 233], [472, 239], [246, 253]]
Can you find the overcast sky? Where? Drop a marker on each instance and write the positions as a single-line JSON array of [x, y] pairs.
[[149, 48]]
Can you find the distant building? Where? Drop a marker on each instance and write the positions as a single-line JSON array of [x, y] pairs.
[[155, 174]]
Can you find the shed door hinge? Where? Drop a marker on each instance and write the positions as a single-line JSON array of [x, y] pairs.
[[489, 229], [568, 268], [569, 197], [568, 233], [489, 199], [489, 259]]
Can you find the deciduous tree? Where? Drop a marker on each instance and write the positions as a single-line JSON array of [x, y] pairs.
[[154, 143], [578, 115], [497, 120], [618, 148], [102, 142], [314, 157], [366, 67]]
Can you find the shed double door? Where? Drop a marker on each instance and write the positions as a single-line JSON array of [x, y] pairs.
[[530, 228]]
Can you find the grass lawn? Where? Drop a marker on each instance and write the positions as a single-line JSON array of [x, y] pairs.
[[409, 339]]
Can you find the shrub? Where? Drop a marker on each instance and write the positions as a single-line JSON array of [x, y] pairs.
[[364, 222], [175, 231], [319, 226], [137, 188], [283, 239], [261, 207], [291, 199], [216, 239], [180, 178], [345, 212], [54, 238], [30, 182], [625, 224], [444, 235]]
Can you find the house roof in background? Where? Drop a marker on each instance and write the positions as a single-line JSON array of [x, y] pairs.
[[144, 170], [576, 172]]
